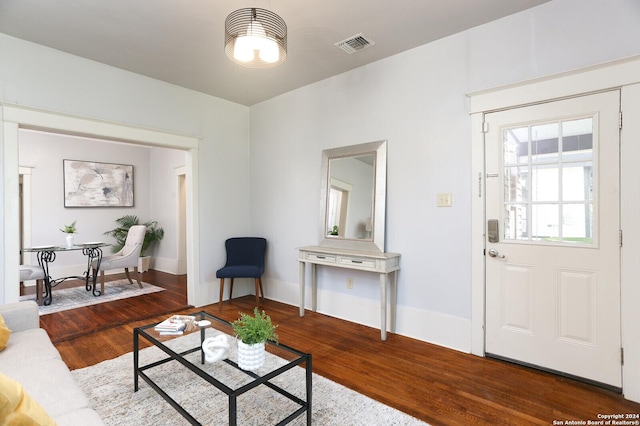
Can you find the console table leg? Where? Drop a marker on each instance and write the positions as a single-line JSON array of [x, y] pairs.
[[314, 287], [302, 274], [394, 297], [383, 306]]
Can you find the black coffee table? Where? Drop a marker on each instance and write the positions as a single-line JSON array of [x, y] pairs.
[[234, 388]]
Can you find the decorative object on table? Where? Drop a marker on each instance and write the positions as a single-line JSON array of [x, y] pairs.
[[93, 184], [253, 332], [154, 234], [215, 348], [70, 230], [177, 324]]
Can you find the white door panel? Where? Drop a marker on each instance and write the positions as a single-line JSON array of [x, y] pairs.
[[553, 300]]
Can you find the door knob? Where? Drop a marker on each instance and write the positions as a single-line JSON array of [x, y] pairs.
[[494, 253]]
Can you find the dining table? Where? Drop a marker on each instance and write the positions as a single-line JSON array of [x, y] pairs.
[[46, 255]]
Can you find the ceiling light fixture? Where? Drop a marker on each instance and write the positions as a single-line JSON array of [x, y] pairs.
[[255, 38]]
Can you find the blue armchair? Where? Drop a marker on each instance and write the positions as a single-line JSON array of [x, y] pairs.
[[245, 259]]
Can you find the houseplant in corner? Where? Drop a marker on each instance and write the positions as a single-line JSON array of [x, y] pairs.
[[154, 233], [70, 230], [253, 332]]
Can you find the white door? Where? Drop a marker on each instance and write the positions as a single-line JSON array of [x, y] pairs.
[[553, 236]]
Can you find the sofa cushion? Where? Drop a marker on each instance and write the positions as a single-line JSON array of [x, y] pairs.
[[4, 334], [18, 408], [52, 385], [27, 348], [81, 417]]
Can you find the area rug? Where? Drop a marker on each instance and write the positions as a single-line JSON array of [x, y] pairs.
[[109, 386], [76, 297]]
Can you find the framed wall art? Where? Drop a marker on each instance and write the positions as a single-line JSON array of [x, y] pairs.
[[93, 184]]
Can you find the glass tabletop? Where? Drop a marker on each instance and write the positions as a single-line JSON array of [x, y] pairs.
[[280, 372], [187, 346], [80, 246]]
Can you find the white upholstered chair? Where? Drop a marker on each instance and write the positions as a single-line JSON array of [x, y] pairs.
[[33, 272], [126, 258]]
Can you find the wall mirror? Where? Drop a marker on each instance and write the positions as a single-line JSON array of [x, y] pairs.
[[353, 196]]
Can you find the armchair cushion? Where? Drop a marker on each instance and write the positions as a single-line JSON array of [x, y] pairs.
[[240, 271]]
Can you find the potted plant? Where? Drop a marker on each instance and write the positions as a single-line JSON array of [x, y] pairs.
[[70, 230], [154, 233], [253, 332]]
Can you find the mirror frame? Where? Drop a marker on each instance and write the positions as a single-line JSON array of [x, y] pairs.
[[376, 242]]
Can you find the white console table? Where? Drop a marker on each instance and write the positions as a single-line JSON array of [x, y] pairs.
[[381, 263]]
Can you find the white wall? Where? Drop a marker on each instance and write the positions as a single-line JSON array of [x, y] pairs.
[[417, 101], [43, 78]]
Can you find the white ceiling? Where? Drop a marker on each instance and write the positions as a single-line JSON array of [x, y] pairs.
[[181, 41]]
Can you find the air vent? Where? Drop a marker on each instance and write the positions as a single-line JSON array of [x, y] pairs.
[[355, 43]]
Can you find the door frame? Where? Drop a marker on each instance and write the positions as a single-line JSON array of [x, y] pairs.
[[623, 75], [13, 117]]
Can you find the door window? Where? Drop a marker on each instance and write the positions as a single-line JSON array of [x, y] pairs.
[[548, 182]]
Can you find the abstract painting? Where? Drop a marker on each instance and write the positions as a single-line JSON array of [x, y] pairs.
[[93, 184]]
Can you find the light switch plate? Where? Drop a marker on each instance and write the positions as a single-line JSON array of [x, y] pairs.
[[444, 199]]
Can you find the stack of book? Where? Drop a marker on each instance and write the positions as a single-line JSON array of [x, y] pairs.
[[175, 324]]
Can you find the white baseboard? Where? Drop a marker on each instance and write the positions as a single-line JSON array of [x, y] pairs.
[[428, 326], [157, 263], [164, 264]]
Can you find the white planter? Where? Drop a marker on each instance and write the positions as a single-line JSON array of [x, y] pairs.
[[250, 357], [69, 240], [143, 263]]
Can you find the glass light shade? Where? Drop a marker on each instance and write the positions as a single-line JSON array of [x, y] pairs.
[[255, 38], [269, 51], [243, 49]]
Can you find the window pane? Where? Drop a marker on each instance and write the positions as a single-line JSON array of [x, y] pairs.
[[515, 222], [544, 222], [544, 142], [515, 184], [577, 136], [577, 183], [516, 145], [544, 183], [577, 223]]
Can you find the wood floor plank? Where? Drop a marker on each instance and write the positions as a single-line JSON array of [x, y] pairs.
[[438, 385]]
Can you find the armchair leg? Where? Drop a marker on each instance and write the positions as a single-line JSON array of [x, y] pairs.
[[258, 286], [261, 290], [231, 290], [135, 271], [101, 283], [126, 271], [221, 292]]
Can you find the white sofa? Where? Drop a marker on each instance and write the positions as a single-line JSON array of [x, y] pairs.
[[31, 359]]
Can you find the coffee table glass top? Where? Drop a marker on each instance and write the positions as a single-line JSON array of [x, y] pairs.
[[280, 372]]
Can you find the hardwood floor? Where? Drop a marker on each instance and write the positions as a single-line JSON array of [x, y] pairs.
[[435, 384]]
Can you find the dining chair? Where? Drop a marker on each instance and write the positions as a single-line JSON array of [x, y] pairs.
[[126, 258], [245, 259], [33, 272]]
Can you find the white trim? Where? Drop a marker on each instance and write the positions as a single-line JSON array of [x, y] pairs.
[[14, 117], [181, 235], [597, 78], [624, 74], [25, 173]]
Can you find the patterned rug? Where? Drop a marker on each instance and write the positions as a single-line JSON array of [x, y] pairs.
[[109, 386], [76, 297]]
